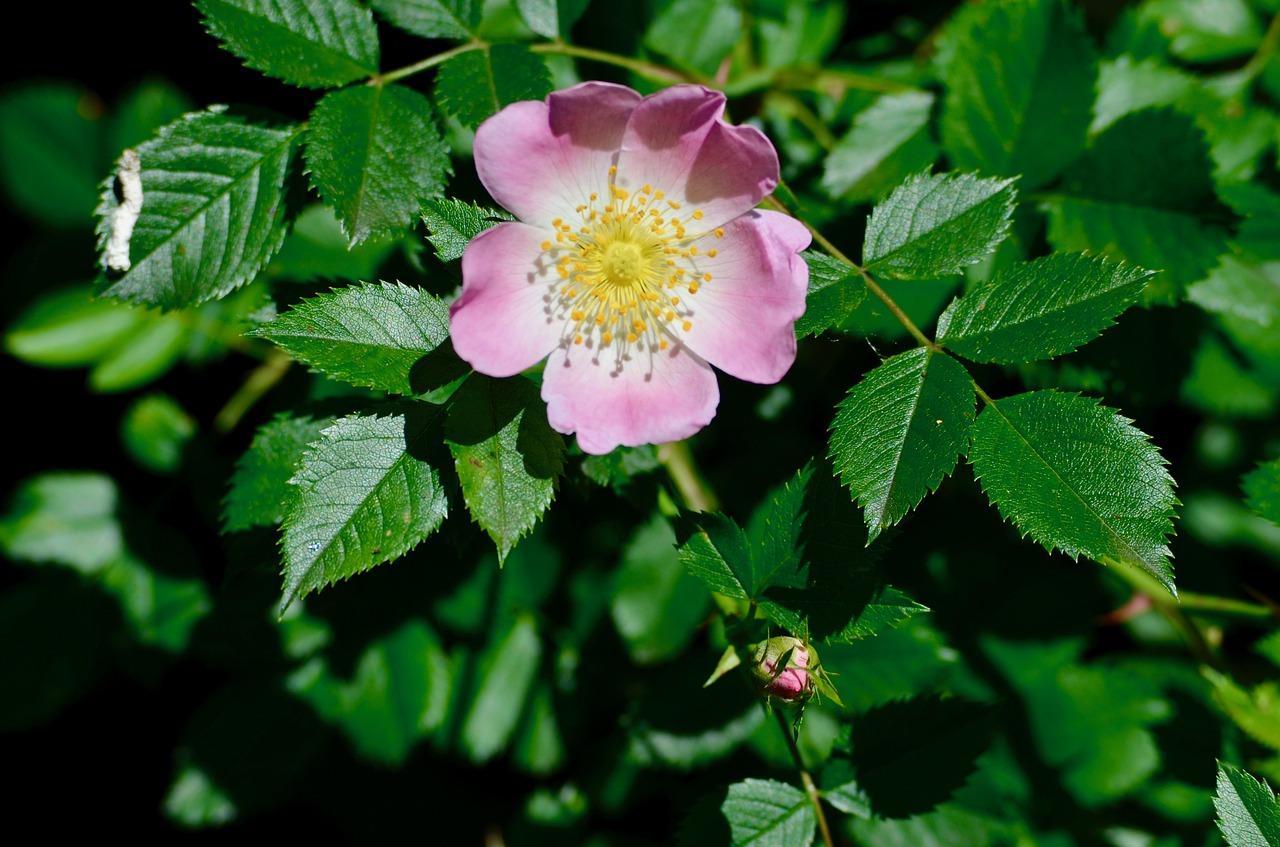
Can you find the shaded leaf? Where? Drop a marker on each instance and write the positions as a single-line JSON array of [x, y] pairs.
[[259, 486], [476, 84], [317, 248], [507, 673], [551, 18], [697, 34], [155, 430], [66, 519], [767, 813], [889, 140], [834, 292], [657, 605], [453, 223], [49, 152], [1262, 489], [935, 225]]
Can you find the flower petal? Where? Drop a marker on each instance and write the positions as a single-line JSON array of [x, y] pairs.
[[542, 160], [677, 141], [649, 401], [502, 323], [743, 319]]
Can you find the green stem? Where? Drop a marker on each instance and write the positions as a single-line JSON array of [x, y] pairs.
[[1172, 611], [810, 788], [259, 382], [636, 66], [1226, 607], [677, 458], [1266, 49], [429, 62]]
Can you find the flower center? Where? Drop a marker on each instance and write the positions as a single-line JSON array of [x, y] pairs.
[[627, 274]]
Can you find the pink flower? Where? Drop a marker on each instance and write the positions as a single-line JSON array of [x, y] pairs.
[[637, 262], [793, 681]]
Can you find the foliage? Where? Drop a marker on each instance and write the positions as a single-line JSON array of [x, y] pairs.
[[270, 542]]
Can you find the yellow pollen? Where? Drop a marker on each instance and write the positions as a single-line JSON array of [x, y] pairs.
[[648, 189], [693, 287], [613, 170], [675, 301], [711, 254], [673, 204], [697, 214], [693, 251], [663, 344], [658, 195], [546, 245], [632, 337], [577, 339], [599, 320], [706, 277], [563, 271], [607, 338], [578, 315], [687, 326], [623, 261], [719, 232], [595, 196]]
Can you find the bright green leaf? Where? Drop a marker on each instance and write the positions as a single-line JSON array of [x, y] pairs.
[[155, 431], [312, 43], [1126, 86], [539, 749], [380, 336], [1040, 309], [551, 18], [476, 84], [432, 18], [835, 290], [69, 328], [1076, 476], [375, 153], [507, 456], [149, 353], [213, 210], [453, 223], [889, 141], [160, 609], [1262, 489], [49, 155], [259, 485], [367, 492], [195, 801], [900, 432], [1250, 291], [507, 672], [1256, 711], [697, 34], [1247, 811], [657, 604], [1020, 79], [935, 225], [1207, 30], [64, 518], [767, 813]]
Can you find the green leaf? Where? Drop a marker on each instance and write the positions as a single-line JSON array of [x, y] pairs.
[[935, 225], [539, 749], [697, 34], [317, 248], [213, 210], [149, 353], [160, 609], [889, 141], [64, 518], [1250, 291], [49, 155], [476, 84], [1020, 88], [551, 18], [768, 813], [195, 801], [1126, 86], [835, 290], [69, 328], [367, 492], [259, 486], [900, 432], [453, 223], [507, 672], [1118, 200], [146, 108], [381, 336], [1256, 711], [155, 431], [1247, 812], [507, 456], [312, 43], [1262, 489], [1206, 30], [657, 605], [1076, 476], [617, 468], [1040, 309], [718, 553], [374, 154], [432, 18]]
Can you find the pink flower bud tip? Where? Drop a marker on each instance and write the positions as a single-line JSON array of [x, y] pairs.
[[793, 682]]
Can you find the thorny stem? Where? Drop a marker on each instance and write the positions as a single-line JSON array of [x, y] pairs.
[[256, 385], [811, 789]]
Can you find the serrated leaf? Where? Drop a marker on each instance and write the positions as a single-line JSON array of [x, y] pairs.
[[834, 292], [1118, 200], [379, 336], [934, 225], [889, 140], [507, 456], [768, 813], [697, 34], [259, 486], [1247, 811], [1262, 490], [432, 18], [1040, 309], [312, 43], [507, 672], [551, 18], [617, 468], [213, 209], [367, 492], [718, 553], [1077, 477], [1020, 88], [374, 154], [900, 432], [453, 223], [476, 84]]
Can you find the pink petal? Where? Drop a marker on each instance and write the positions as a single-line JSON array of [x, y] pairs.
[[542, 160], [653, 399], [743, 318], [502, 323], [678, 142]]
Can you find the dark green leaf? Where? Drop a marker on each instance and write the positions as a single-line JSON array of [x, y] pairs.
[[64, 518], [507, 672], [213, 210], [379, 336], [432, 18], [697, 34], [657, 605], [508, 457], [717, 552], [160, 609], [453, 223], [618, 467], [374, 154], [1262, 489], [49, 152], [1247, 812], [153, 104], [367, 492], [476, 84], [155, 431], [889, 141], [317, 248], [260, 486], [835, 290], [1119, 200], [900, 432], [935, 225], [313, 43], [1020, 86], [767, 813], [551, 18], [1076, 476], [1040, 309]]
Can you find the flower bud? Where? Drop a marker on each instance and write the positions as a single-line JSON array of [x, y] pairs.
[[793, 681]]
